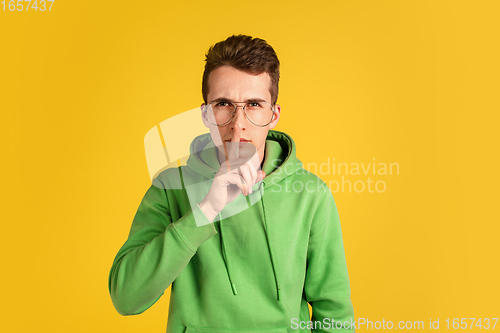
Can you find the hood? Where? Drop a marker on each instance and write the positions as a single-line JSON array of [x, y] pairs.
[[280, 162]]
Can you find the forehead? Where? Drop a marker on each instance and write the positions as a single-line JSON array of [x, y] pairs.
[[231, 83]]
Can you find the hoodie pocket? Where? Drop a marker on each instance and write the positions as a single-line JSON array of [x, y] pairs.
[[191, 329]]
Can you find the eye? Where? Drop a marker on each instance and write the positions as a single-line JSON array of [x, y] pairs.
[[222, 104], [255, 104]]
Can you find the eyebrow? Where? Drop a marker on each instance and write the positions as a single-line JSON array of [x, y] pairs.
[[248, 100]]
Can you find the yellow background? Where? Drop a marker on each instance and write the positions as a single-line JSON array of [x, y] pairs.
[[408, 82]]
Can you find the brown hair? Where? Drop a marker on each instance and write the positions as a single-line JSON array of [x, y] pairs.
[[245, 53]]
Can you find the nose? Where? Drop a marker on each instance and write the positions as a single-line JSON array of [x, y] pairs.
[[239, 118]]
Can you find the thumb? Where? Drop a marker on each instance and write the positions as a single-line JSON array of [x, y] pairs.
[[260, 175]]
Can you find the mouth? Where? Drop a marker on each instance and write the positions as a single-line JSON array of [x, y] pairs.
[[241, 140]]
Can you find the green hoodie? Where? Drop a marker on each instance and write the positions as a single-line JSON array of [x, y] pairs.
[[252, 271]]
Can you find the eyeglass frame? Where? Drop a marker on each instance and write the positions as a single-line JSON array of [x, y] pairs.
[[236, 110]]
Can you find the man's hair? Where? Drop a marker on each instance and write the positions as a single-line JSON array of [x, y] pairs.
[[245, 53]]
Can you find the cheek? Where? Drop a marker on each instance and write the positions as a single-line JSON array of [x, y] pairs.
[[216, 134], [260, 137]]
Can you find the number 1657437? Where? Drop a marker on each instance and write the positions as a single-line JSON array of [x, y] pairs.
[[25, 5]]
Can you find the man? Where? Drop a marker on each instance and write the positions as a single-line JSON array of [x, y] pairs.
[[258, 239]]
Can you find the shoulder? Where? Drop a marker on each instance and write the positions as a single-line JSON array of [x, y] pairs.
[[168, 179]]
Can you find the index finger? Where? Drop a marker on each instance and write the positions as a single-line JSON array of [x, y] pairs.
[[234, 145]]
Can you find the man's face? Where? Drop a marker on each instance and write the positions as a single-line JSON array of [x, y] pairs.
[[237, 86]]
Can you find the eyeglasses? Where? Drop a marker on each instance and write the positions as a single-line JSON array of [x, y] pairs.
[[220, 113]]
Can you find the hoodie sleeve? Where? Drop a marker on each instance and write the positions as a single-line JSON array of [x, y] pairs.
[[155, 253], [327, 286]]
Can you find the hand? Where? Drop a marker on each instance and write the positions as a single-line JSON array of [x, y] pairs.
[[236, 175]]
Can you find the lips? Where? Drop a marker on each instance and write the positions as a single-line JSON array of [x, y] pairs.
[[241, 140]]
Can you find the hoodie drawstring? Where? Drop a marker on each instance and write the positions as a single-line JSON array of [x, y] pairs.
[[233, 286], [278, 290]]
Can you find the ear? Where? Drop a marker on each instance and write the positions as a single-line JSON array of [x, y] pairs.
[[276, 116], [204, 116]]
